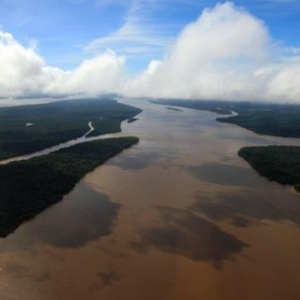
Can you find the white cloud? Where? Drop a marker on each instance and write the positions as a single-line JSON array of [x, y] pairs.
[[101, 74], [21, 67], [23, 72], [226, 54], [212, 57], [292, 51], [285, 82]]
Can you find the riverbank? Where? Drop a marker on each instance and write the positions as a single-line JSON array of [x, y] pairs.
[[28, 187], [263, 118], [276, 163], [179, 182], [58, 122]]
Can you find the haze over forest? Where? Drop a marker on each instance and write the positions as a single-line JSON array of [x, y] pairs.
[[226, 53]]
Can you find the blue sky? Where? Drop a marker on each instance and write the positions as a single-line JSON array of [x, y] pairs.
[[68, 31]]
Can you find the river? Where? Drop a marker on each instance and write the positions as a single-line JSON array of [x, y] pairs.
[[178, 216]]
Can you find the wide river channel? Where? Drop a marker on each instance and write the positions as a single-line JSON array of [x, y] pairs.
[[178, 216]]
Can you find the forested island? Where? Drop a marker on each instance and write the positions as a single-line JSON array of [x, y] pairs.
[[277, 163], [262, 118], [30, 128], [28, 187]]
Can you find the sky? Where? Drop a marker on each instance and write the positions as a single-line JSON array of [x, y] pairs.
[[189, 49]]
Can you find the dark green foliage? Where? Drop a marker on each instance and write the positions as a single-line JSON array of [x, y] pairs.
[[28, 187], [277, 163], [57, 122], [269, 119]]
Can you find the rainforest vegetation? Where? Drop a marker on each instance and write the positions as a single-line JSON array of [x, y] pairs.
[[28, 187], [277, 163], [30, 128]]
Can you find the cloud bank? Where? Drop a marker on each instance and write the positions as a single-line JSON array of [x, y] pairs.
[[24, 72], [225, 54]]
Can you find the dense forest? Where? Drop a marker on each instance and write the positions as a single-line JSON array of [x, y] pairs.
[[30, 128], [277, 163], [28, 187], [263, 118]]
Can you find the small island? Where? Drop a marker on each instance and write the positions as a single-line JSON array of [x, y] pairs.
[[277, 163], [174, 109], [262, 118], [219, 107]]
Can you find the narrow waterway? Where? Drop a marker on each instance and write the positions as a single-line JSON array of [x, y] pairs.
[[83, 139], [178, 216]]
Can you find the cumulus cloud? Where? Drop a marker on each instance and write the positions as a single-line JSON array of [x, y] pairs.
[[21, 67], [213, 57], [225, 54], [23, 72], [285, 82], [101, 74]]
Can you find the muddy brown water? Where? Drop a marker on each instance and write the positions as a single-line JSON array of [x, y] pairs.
[[178, 216]]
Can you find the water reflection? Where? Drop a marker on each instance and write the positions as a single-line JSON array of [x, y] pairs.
[[136, 160], [189, 235], [83, 216], [169, 219], [249, 206], [16, 270], [90, 214], [224, 174]]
